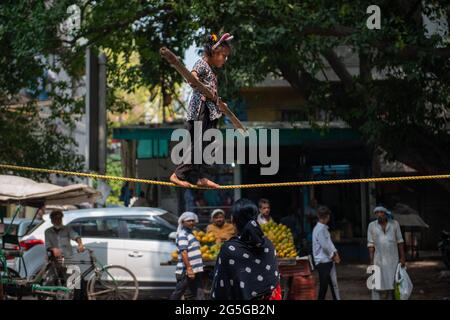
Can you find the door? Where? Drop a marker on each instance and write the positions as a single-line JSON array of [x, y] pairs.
[[148, 245], [102, 235]]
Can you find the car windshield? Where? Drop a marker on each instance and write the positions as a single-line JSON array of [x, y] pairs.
[[36, 224]]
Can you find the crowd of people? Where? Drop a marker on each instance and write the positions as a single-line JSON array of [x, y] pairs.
[[246, 267]]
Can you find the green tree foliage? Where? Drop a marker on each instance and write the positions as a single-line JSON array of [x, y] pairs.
[[124, 28], [33, 40], [405, 112], [30, 133], [114, 168]]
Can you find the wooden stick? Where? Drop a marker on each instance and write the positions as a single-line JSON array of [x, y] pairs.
[[196, 84]]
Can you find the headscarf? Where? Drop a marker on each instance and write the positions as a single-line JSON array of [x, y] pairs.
[[246, 267], [380, 208], [388, 213], [186, 216]]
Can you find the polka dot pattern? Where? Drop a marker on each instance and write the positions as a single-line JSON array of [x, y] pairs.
[[248, 272]]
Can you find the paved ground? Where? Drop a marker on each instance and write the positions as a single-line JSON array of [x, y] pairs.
[[425, 275]]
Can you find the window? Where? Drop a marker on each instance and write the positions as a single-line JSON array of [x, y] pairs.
[[293, 115], [27, 226], [170, 218], [147, 229], [11, 228], [96, 227]]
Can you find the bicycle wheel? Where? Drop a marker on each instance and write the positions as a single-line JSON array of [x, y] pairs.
[[113, 283]]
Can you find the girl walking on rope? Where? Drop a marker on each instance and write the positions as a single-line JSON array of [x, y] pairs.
[[208, 112]]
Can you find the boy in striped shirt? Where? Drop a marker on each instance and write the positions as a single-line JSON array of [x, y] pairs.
[[190, 263]]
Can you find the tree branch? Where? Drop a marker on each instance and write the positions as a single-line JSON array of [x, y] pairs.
[[301, 81], [105, 30], [338, 67]]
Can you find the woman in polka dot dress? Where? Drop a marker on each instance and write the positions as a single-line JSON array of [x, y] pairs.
[[246, 267]]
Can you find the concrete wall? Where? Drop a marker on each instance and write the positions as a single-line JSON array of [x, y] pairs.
[[267, 103]]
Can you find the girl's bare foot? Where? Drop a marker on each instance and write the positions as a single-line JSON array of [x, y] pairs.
[[177, 181], [203, 182]]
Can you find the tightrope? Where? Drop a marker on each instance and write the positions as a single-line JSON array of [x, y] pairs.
[[237, 186]]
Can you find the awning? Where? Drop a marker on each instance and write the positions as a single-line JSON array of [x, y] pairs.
[[154, 142], [408, 217], [14, 189], [288, 136]]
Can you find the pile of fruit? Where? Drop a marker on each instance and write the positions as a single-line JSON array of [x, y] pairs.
[[209, 248], [210, 252], [282, 239], [204, 238]]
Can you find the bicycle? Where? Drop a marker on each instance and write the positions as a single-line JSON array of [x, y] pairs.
[[17, 287], [110, 282], [53, 274], [103, 282]]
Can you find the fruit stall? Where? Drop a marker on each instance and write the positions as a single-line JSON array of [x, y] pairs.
[[297, 279]]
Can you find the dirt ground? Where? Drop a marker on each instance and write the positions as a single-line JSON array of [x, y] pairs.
[[425, 275]]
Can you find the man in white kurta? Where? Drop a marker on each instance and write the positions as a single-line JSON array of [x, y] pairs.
[[386, 250]]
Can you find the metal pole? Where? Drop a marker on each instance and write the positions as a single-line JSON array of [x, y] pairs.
[[92, 114], [237, 179], [102, 117], [363, 197]]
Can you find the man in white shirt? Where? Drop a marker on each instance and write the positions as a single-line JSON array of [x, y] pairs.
[[325, 255], [264, 212], [386, 250]]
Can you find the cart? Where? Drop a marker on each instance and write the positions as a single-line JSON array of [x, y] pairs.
[[25, 192]]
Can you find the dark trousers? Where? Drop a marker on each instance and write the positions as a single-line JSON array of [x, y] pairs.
[[194, 285], [326, 281], [189, 171]]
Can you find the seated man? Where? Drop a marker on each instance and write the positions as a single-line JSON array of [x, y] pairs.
[[57, 242], [222, 230], [57, 238]]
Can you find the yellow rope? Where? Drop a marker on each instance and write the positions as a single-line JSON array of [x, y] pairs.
[[241, 186]]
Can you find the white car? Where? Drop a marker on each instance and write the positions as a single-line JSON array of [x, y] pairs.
[[139, 239]]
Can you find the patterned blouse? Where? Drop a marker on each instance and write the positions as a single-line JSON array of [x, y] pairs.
[[207, 76]]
